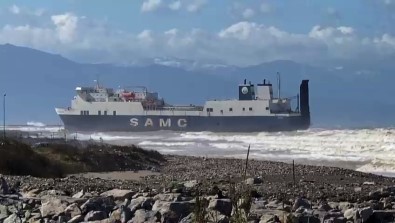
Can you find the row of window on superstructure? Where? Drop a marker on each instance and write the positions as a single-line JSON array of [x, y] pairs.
[[99, 112], [231, 109]]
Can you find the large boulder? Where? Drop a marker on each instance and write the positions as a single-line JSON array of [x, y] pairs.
[[119, 195], [365, 213], [105, 204], [145, 216], [95, 216], [13, 219], [223, 206], [72, 211], [53, 207], [173, 211], [168, 197], [141, 203], [4, 212]]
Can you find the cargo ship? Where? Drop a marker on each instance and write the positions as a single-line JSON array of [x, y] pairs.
[[136, 109]]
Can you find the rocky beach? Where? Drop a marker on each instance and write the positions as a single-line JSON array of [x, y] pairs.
[[196, 189]]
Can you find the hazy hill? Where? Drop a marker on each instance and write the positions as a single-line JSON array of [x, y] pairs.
[[36, 82]]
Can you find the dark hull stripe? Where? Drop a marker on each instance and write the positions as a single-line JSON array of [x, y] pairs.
[[125, 123]]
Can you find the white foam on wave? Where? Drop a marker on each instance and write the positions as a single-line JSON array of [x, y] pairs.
[[371, 150], [36, 124]]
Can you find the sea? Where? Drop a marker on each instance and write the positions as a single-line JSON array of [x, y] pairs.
[[370, 150]]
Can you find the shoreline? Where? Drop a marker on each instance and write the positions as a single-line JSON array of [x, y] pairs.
[[318, 193]]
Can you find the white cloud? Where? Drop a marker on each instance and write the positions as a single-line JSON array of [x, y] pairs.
[[15, 9], [248, 13], [196, 5], [151, 5], [265, 7], [66, 25], [175, 5], [241, 43]]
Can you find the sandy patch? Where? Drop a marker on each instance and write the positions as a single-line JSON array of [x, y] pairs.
[[118, 175]]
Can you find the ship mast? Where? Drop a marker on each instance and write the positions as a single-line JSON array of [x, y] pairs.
[[279, 85]]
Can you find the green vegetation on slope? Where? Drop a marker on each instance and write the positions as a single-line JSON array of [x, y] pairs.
[[59, 159]]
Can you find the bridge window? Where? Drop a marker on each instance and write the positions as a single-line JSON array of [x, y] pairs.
[[250, 109], [82, 113], [99, 112], [114, 113], [230, 109], [244, 109], [267, 108], [105, 112], [210, 109], [222, 111]]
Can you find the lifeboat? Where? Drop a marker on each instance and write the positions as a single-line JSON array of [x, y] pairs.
[[128, 95]]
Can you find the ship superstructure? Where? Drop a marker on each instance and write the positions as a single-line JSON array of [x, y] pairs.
[[100, 109]]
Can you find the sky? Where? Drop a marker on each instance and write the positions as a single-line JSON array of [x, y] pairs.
[[230, 32]]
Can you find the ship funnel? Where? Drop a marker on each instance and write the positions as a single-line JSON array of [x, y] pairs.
[[304, 101]]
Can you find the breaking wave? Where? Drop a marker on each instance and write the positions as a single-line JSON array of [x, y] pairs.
[[36, 124], [367, 150]]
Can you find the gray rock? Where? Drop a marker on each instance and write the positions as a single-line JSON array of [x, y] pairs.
[[126, 214], [357, 189], [301, 202], [223, 206], [324, 207], [51, 193], [79, 194], [76, 219], [190, 184], [172, 211], [304, 218], [105, 204], [334, 216], [343, 206], [4, 210], [272, 216], [73, 210], [95, 216], [383, 216], [4, 189], [368, 183], [335, 220], [375, 195], [365, 213], [168, 197], [53, 207], [215, 216], [141, 202], [31, 193], [188, 219], [119, 195], [274, 204], [13, 219], [350, 214], [145, 216], [115, 216], [252, 181]]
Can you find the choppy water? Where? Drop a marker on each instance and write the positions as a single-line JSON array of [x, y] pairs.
[[368, 150]]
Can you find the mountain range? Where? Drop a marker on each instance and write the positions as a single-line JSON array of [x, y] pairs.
[[341, 96]]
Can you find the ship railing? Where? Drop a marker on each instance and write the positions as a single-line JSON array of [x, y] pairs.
[[174, 109]]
